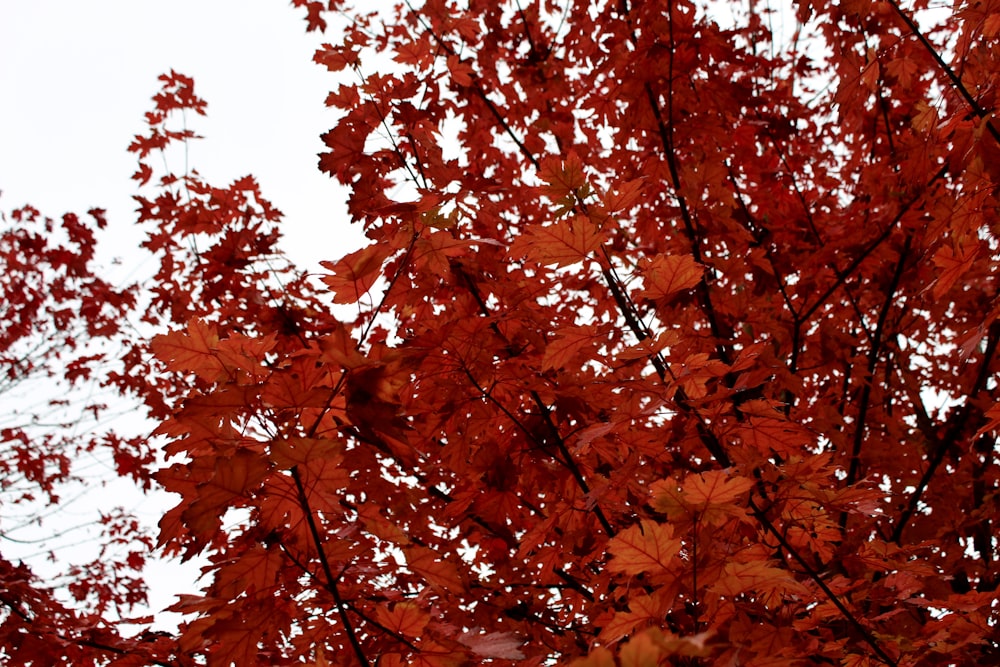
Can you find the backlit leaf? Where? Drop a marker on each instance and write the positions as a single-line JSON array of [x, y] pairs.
[[563, 176], [756, 577], [350, 278], [640, 651], [599, 657], [714, 487], [434, 569], [953, 263]]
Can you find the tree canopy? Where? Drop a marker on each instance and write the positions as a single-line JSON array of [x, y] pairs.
[[673, 342]]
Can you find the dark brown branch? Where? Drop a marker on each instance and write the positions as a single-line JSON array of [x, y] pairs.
[[331, 581], [873, 356], [666, 140], [953, 78], [570, 462], [815, 577], [958, 423]]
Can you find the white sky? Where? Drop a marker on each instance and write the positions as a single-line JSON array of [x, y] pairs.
[[75, 80]]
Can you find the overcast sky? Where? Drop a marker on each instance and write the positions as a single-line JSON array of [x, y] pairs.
[[76, 78]]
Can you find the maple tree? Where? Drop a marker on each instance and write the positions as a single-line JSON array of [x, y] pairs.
[[674, 342], [63, 325]]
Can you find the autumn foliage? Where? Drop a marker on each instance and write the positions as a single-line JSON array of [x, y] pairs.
[[674, 343]]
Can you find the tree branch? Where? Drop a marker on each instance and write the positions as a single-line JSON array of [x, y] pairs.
[[960, 421], [953, 78], [873, 355], [331, 581]]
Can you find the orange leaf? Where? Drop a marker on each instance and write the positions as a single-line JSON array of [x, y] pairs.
[[953, 263], [708, 495], [563, 177], [993, 414], [339, 347], [461, 71], [433, 250], [433, 568], [321, 660], [404, 618], [904, 69], [566, 241], [234, 477], [193, 351], [714, 487], [641, 609], [650, 346], [761, 407], [665, 275], [254, 572], [336, 58], [380, 527], [502, 645], [568, 342], [757, 578], [991, 25], [624, 197], [770, 436], [302, 451], [696, 371], [644, 547], [640, 651], [599, 657], [692, 645], [240, 352], [356, 273]]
